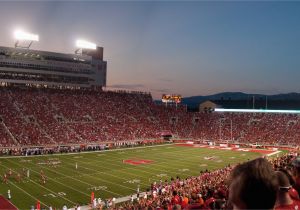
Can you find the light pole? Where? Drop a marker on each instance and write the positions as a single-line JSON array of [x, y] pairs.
[[220, 128], [24, 40], [231, 129], [82, 44]]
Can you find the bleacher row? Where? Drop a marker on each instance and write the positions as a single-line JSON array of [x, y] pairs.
[[48, 116]]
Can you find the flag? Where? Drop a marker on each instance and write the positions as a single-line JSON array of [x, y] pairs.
[[38, 205], [92, 196]]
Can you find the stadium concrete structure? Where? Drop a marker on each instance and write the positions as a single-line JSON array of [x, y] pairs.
[[29, 67]]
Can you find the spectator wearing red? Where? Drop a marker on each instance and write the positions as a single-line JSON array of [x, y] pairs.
[[284, 200], [296, 165], [176, 198]]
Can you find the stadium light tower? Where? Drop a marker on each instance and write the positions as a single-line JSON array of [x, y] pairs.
[[24, 39], [82, 44]]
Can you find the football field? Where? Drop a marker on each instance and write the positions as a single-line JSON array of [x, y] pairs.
[[114, 173]]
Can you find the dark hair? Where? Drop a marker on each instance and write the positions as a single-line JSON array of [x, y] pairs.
[[289, 175], [253, 185]]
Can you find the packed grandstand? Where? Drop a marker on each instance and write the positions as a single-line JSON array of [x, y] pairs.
[[39, 116]]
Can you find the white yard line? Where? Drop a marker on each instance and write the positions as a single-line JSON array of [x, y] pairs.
[[100, 178], [273, 153], [97, 166], [54, 180], [36, 199], [73, 179], [144, 166], [217, 151], [152, 166], [63, 197], [12, 204], [98, 161], [137, 169], [134, 148]]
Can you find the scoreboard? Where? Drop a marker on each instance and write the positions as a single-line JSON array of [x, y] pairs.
[[171, 98]]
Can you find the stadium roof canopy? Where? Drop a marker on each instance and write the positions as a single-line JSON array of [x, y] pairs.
[[259, 111]]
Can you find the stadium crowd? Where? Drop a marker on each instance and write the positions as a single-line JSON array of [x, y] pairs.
[[30, 117], [256, 184]]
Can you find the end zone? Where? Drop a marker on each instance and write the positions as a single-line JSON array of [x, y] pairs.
[[6, 204]]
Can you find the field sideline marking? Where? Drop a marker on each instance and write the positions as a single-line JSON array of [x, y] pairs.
[[99, 151]]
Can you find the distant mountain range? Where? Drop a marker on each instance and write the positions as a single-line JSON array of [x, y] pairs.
[[239, 96]]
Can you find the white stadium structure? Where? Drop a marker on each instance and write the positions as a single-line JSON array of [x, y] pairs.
[[24, 66]]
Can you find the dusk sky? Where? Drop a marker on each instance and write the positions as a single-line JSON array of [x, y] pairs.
[[188, 48]]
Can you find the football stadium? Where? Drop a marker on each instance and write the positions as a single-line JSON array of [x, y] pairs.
[[67, 141]]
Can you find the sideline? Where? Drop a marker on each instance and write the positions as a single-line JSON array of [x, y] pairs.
[[118, 200], [98, 151]]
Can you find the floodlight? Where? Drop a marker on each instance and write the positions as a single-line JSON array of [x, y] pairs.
[[21, 35], [82, 44]]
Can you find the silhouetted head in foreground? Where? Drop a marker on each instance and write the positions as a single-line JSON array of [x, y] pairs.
[[253, 185]]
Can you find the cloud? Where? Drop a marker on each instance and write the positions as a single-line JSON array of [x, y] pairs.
[[127, 86]]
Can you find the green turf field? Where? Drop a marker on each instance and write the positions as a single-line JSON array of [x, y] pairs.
[[105, 173]]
